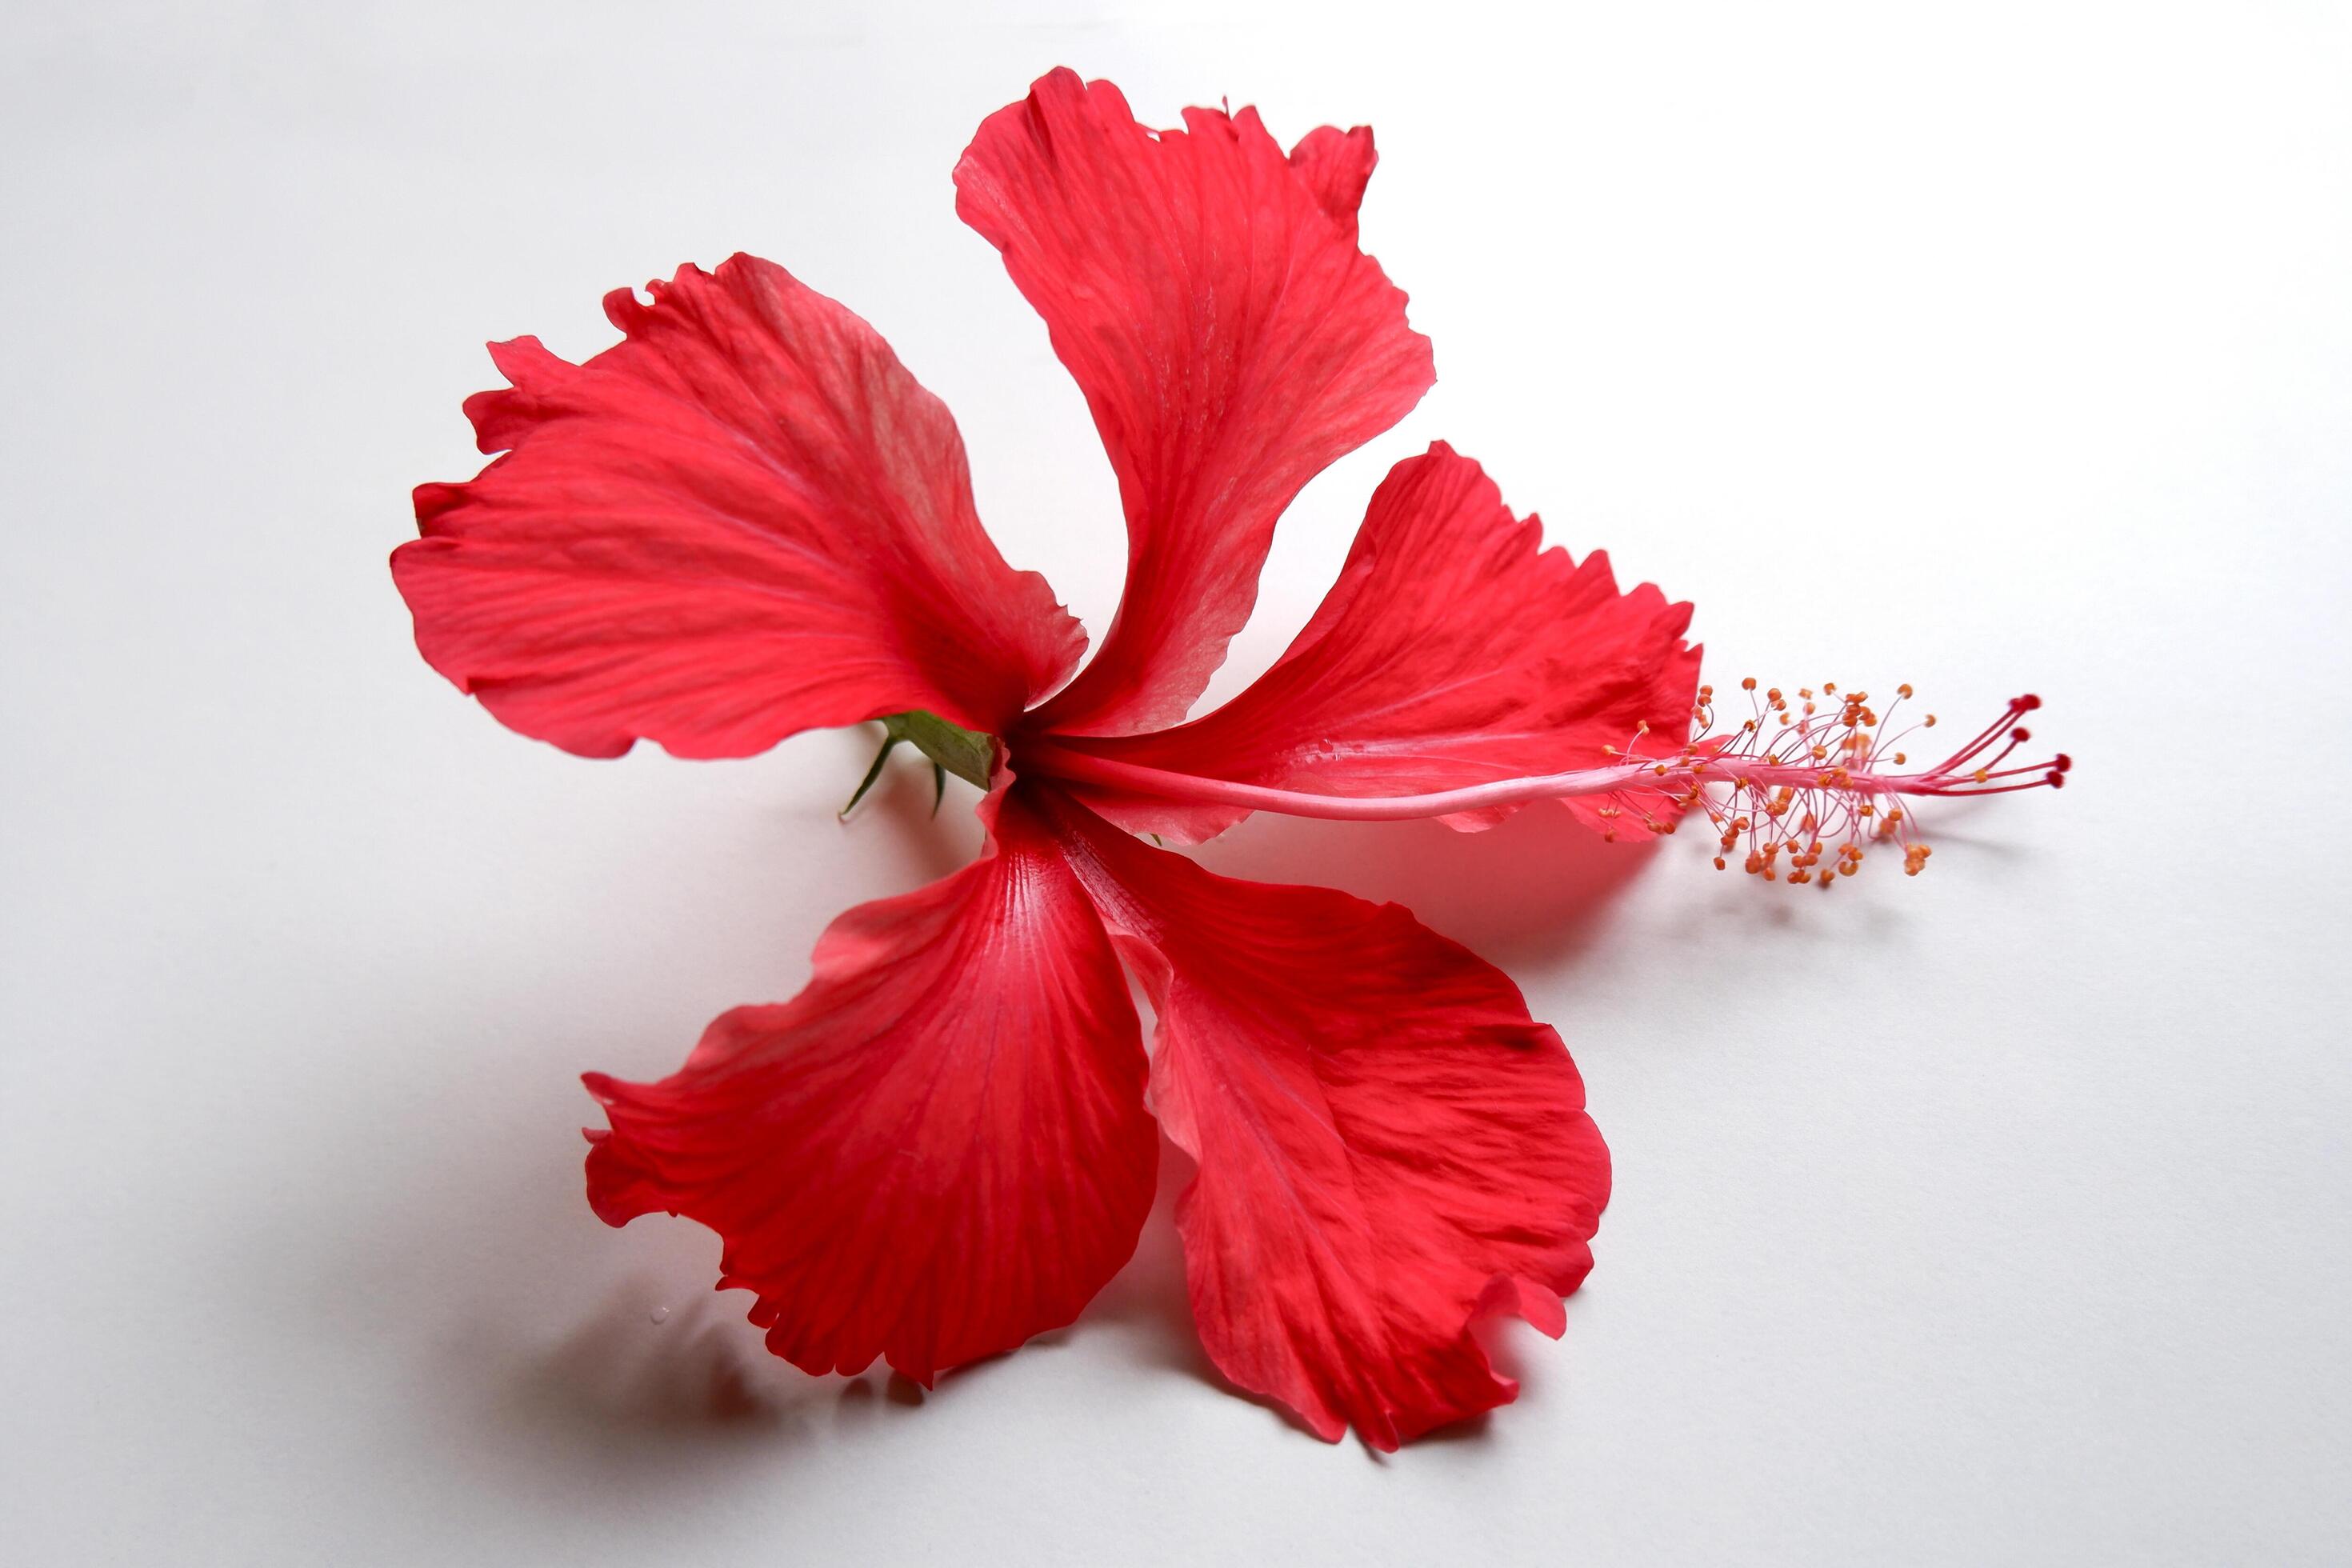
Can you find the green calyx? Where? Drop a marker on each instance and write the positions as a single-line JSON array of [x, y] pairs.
[[970, 754]]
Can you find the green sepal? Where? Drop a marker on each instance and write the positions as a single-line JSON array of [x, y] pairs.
[[871, 775], [970, 754]]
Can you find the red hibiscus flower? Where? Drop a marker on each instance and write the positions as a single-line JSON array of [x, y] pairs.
[[747, 518]]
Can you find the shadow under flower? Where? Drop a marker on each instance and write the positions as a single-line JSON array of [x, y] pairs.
[[617, 1372], [616, 1391], [1533, 888]]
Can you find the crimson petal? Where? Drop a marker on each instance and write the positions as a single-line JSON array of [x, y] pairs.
[[1337, 165], [744, 520], [938, 1149], [1208, 296], [1388, 1146], [1453, 650]]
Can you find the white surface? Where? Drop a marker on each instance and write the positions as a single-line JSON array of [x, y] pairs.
[[1999, 1215]]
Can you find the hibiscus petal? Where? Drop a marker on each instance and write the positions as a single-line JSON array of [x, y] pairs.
[[1388, 1147], [744, 520], [1230, 340], [1453, 650], [938, 1149], [1337, 165]]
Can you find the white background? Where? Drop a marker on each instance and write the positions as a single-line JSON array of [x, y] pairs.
[[1998, 1215]]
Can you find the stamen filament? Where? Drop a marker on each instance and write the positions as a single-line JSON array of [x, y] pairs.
[[1057, 761], [1825, 777], [1648, 774]]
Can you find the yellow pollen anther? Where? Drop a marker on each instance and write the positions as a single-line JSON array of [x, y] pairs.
[[1827, 787]]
